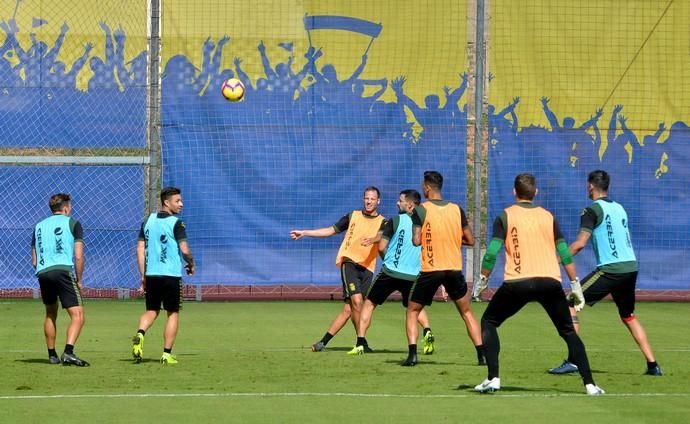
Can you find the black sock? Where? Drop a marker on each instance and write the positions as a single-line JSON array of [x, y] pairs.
[[426, 330], [142, 332], [652, 365], [361, 341], [412, 350], [167, 350], [480, 351], [69, 349], [52, 352], [326, 338]]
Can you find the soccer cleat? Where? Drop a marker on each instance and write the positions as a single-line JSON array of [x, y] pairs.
[[594, 390], [428, 343], [138, 347], [654, 371], [411, 361], [488, 386], [72, 359], [318, 347], [566, 367], [357, 350], [54, 360], [367, 349], [168, 359]]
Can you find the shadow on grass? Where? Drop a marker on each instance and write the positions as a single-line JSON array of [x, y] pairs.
[[143, 361], [43, 361], [422, 362], [347, 349], [512, 389]]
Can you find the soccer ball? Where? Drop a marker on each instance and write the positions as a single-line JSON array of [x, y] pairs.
[[233, 90]]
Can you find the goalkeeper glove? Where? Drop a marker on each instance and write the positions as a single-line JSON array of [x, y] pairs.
[[479, 287], [576, 296]]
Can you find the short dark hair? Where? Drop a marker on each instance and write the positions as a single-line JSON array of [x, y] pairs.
[[59, 201], [413, 195], [525, 186], [372, 188], [599, 179], [169, 192], [433, 179]]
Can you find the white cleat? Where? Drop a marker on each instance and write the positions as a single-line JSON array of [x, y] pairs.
[[594, 390], [489, 386]]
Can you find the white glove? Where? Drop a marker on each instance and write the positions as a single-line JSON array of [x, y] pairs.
[[479, 287], [576, 295]]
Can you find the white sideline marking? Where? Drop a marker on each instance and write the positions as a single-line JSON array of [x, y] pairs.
[[307, 394]]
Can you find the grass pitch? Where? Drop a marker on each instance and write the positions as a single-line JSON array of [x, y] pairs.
[[251, 362]]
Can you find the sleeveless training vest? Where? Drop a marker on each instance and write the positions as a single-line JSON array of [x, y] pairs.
[[54, 243], [530, 246], [611, 239], [441, 237], [360, 227], [162, 251], [402, 256]]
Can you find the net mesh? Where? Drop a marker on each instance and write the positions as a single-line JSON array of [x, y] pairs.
[[339, 96], [596, 85], [73, 84]]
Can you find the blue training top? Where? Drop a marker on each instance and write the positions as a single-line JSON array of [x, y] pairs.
[[402, 257], [611, 238], [54, 243], [162, 250]]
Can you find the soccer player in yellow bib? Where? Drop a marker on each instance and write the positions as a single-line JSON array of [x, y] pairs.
[[441, 228], [356, 262], [401, 265], [532, 238]]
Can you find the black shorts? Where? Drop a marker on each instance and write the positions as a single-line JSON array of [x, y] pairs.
[[512, 296], [163, 289], [621, 287], [384, 285], [61, 284], [356, 279], [427, 284]]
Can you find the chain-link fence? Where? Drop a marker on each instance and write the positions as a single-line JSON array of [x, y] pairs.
[[339, 95], [73, 118]]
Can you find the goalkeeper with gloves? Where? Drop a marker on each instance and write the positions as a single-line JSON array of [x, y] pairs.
[[533, 244]]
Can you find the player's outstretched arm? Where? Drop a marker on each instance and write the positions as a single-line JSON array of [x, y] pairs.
[[319, 233]]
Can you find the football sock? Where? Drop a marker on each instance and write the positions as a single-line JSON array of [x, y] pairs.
[[142, 332], [167, 350], [69, 349], [326, 338], [52, 352], [480, 350], [652, 365], [412, 349], [361, 341], [426, 330]]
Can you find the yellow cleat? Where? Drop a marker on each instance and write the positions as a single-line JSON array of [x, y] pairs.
[[138, 347], [428, 343], [357, 350], [168, 359]]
